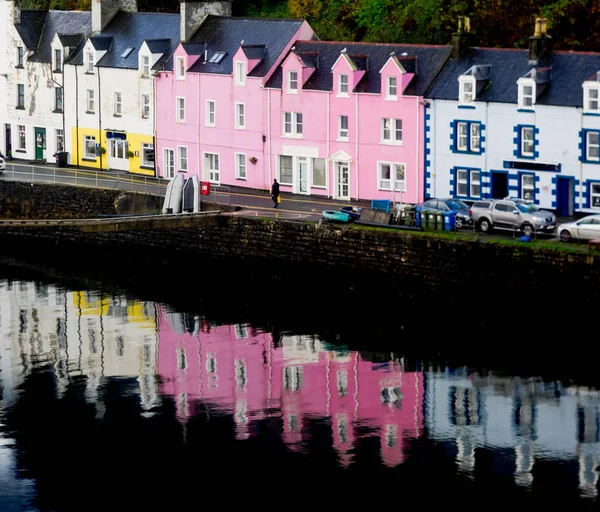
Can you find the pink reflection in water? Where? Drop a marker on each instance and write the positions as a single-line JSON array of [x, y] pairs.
[[246, 375]]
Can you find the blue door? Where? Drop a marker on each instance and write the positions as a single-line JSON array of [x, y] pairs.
[[564, 196]]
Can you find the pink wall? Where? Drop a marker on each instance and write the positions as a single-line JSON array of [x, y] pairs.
[[251, 379]]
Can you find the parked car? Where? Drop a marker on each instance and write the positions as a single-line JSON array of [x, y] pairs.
[[463, 218], [586, 228], [2, 165], [489, 214]]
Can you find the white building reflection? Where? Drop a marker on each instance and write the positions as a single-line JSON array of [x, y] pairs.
[[533, 419]]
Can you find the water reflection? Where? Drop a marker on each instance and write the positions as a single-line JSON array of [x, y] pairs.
[[297, 381]]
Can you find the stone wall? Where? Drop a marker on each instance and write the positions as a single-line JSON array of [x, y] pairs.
[[20, 200], [413, 261]]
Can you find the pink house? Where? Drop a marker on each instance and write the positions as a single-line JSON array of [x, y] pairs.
[[346, 119], [234, 371], [211, 118]]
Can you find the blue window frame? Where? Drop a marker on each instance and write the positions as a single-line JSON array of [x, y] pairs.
[[466, 183], [526, 141], [467, 137], [590, 146]]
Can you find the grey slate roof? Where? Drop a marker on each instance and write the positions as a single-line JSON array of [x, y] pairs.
[[64, 22], [428, 60], [254, 52], [158, 45], [31, 26], [568, 72], [70, 40], [131, 29], [225, 34], [193, 48], [101, 43]]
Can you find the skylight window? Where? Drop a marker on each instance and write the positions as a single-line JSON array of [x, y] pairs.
[[217, 57], [126, 53]]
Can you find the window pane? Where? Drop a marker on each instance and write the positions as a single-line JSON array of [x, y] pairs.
[[475, 184], [398, 133], [319, 177], [399, 177], [299, 124], [385, 176], [285, 169]]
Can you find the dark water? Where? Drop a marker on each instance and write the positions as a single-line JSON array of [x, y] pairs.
[[114, 403]]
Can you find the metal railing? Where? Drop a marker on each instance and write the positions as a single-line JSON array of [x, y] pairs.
[[219, 194]]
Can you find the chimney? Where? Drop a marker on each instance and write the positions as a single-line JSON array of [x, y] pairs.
[[461, 39], [540, 43], [104, 10], [193, 14]]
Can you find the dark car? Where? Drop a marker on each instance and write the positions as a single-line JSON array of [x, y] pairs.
[[463, 218]]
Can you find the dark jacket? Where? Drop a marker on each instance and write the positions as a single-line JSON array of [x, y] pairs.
[[275, 189]]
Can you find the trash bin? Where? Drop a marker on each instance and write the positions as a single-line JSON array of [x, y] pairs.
[[205, 188], [449, 221], [418, 220], [61, 158]]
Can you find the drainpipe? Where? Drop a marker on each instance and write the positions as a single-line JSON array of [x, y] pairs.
[[76, 113], [328, 160], [432, 157], [198, 127], [269, 140], [356, 146], [63, 100], [154, 124], [418, 133], [581, 184], [100, 119], [485, 155]]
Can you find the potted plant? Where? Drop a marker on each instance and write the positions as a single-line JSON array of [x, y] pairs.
[[101, 150], [253, 160], [130, 154]]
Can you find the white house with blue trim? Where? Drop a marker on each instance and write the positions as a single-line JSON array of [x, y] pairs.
[[519, 123]]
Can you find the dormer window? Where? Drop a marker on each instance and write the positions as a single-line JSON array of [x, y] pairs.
[[145, 65], [58, 61], [89, 61], [526, 94], [392, 87], [240, 73], [466, 90], [180, 68], [293, 81], [343, 85], [591, 98]]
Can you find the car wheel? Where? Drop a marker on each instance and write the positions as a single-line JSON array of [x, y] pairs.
[[485, 226], [459, 223], [527, 230], [565, 236]]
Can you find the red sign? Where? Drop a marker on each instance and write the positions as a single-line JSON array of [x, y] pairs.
[[205, 188]]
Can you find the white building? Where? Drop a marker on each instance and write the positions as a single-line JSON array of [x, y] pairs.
[[520, 123]]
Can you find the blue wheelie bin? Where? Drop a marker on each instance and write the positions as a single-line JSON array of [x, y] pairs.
[[449, 221]]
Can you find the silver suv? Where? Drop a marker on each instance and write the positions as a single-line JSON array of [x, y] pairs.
[[515, 214]]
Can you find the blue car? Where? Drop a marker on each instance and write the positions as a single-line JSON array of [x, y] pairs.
[[463, 219]]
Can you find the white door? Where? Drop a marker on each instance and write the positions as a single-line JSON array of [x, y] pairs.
[[169, 163], [117, 155], [211, 167], [302, 176], [342, 180]]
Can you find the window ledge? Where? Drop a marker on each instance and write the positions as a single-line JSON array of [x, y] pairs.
[[342, 139], [597, 114], [89, 112], [391, 143], [209, 125], [180, 122], [240, 127], [467, 106], [151, 167], [85, 159], [19, 67], [290, 136], [19, 108], [145, 117], [116, 115], [530, 110], [342, 95], [57, 71], [89, 73], [180, 171], [241, 179], [20, 151], [292, 91], [320, 187], [56, 111], [391, 98]]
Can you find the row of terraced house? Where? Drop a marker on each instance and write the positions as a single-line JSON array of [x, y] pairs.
[[242, 101]]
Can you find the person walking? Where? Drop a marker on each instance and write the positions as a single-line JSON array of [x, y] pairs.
[[275, 194]]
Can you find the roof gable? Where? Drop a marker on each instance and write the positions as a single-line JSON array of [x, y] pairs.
[[30, 27]]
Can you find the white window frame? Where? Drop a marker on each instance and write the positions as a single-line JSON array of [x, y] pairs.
[[528, 187], [462, 179], [466, 90], [241, 166], [462, 136], [145, 106], [281, 181], [526, 101], [180, 109], [392, 131], [58, 62], [145, 65], [240, 73], [594, 197], [312, 173], [143, 162], [89, 61], [343, 85], [343, 132], [240, 116], [392, 183], [169, 169], [296, 123], [466, 138], [588, 100], [182, 160], [292, 82], [206, 169], [118, 104], [180, 68], [208, 120], [524, 153], [22, 137], [391, 89], [473, 181], [86, 139], [589, 144], [59, 139], [90, 101]]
